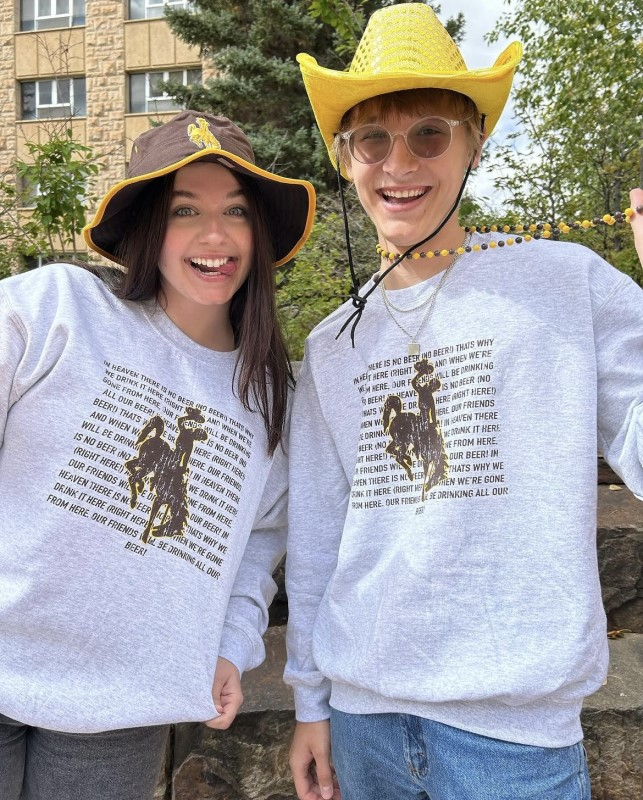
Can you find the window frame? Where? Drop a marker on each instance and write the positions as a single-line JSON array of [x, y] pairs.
[[155, 9], [73, 18], [150, 100], [68, 109]]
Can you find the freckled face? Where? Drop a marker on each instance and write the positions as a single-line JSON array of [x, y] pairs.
[[407, 197], [207, 250]]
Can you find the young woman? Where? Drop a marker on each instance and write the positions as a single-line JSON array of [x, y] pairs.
[[142, 466], [445, 615]]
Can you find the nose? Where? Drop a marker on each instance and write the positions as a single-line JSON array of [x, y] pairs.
[[400, 160], [212, 229]]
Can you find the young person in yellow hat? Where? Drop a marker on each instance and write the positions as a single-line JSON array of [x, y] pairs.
[[142, 466], [444, 604]]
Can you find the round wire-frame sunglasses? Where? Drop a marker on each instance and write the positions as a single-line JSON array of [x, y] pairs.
[[429, 137]]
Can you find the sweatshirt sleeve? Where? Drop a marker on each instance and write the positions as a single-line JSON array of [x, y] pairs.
[[254, 588], [319, 493], [12, 348], [618, 334]]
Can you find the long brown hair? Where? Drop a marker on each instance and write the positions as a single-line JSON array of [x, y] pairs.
[[263, 368]]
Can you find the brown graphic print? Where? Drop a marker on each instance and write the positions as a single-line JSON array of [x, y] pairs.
[[165, 470], [417, 436]]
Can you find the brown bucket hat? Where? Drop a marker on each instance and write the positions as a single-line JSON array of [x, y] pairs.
[[196, 136]]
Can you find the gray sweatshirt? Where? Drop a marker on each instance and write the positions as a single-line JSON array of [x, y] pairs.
[[441, 553], [140, 515]]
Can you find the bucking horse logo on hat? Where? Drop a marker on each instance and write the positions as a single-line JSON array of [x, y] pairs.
[[165, 469], [200, 134]]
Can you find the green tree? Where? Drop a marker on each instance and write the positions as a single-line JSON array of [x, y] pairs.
[[577, 99], [19, 239], [57, 178]]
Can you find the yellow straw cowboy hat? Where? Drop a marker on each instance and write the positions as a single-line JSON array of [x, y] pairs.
[[405, 47], [196, 136]]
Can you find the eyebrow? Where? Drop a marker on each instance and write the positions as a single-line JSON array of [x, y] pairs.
[[192, 196]]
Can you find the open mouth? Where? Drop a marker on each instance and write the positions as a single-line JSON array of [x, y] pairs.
[[214, 266], [402, 196]]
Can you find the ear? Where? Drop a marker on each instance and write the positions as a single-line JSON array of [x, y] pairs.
[[478, 153]]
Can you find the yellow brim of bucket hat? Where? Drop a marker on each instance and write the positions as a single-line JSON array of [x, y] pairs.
[[333, 93]]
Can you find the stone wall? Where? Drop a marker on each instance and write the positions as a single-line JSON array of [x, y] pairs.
[[106, 87], [8, 115]]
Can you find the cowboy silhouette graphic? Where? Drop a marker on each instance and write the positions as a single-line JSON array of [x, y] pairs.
[[417, 436], [165, 469]]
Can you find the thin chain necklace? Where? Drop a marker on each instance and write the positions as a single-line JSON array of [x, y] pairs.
[[413, 348]]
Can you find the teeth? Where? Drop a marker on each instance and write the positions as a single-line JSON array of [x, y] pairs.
[[210, 263], [402, 193]]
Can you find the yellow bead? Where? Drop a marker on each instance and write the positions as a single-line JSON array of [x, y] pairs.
[[493, 228], [460, 251], [629, 212], [429, 254], [473, 229], [416, 255], [493, 244], [586, 224], [527, 238], [532, 227], [547, 226], [505, 228], [509, 242], [476, 247], [444, 252], [546, 234], [519, 228], [607, 218]]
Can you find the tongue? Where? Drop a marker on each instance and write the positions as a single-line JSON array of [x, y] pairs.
[[225, 269]]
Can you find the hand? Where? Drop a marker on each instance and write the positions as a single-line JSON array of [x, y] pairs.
[[310, 762], [636, 199], [226, 693]]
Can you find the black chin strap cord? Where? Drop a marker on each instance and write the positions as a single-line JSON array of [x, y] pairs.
[[358, 300]]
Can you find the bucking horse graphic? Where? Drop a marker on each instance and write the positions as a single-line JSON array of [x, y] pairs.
[[417, 436], [165, 469]]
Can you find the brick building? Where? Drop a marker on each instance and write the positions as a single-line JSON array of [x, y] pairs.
[[98, 61]]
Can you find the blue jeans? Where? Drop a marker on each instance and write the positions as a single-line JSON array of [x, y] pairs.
[[39, 764], [403, 757]]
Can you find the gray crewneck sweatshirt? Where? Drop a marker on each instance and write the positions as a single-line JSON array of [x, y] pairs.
[[441, 552], [140, 515]]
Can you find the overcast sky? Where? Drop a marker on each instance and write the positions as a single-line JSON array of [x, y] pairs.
[[480, 18]]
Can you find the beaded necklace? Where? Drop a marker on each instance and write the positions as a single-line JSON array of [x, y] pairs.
[[533, 231]]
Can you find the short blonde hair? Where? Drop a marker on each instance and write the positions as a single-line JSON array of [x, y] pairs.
[[414, 102]]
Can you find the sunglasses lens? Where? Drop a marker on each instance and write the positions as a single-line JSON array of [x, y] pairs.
[[429, 138], [370, 144]]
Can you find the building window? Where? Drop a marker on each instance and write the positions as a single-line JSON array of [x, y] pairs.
[[152, 9], [36, 15], [145, 94], [58, 97]]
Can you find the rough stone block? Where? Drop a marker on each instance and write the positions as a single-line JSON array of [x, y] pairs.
[[620, 557], [613, 724], [250, 760]]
